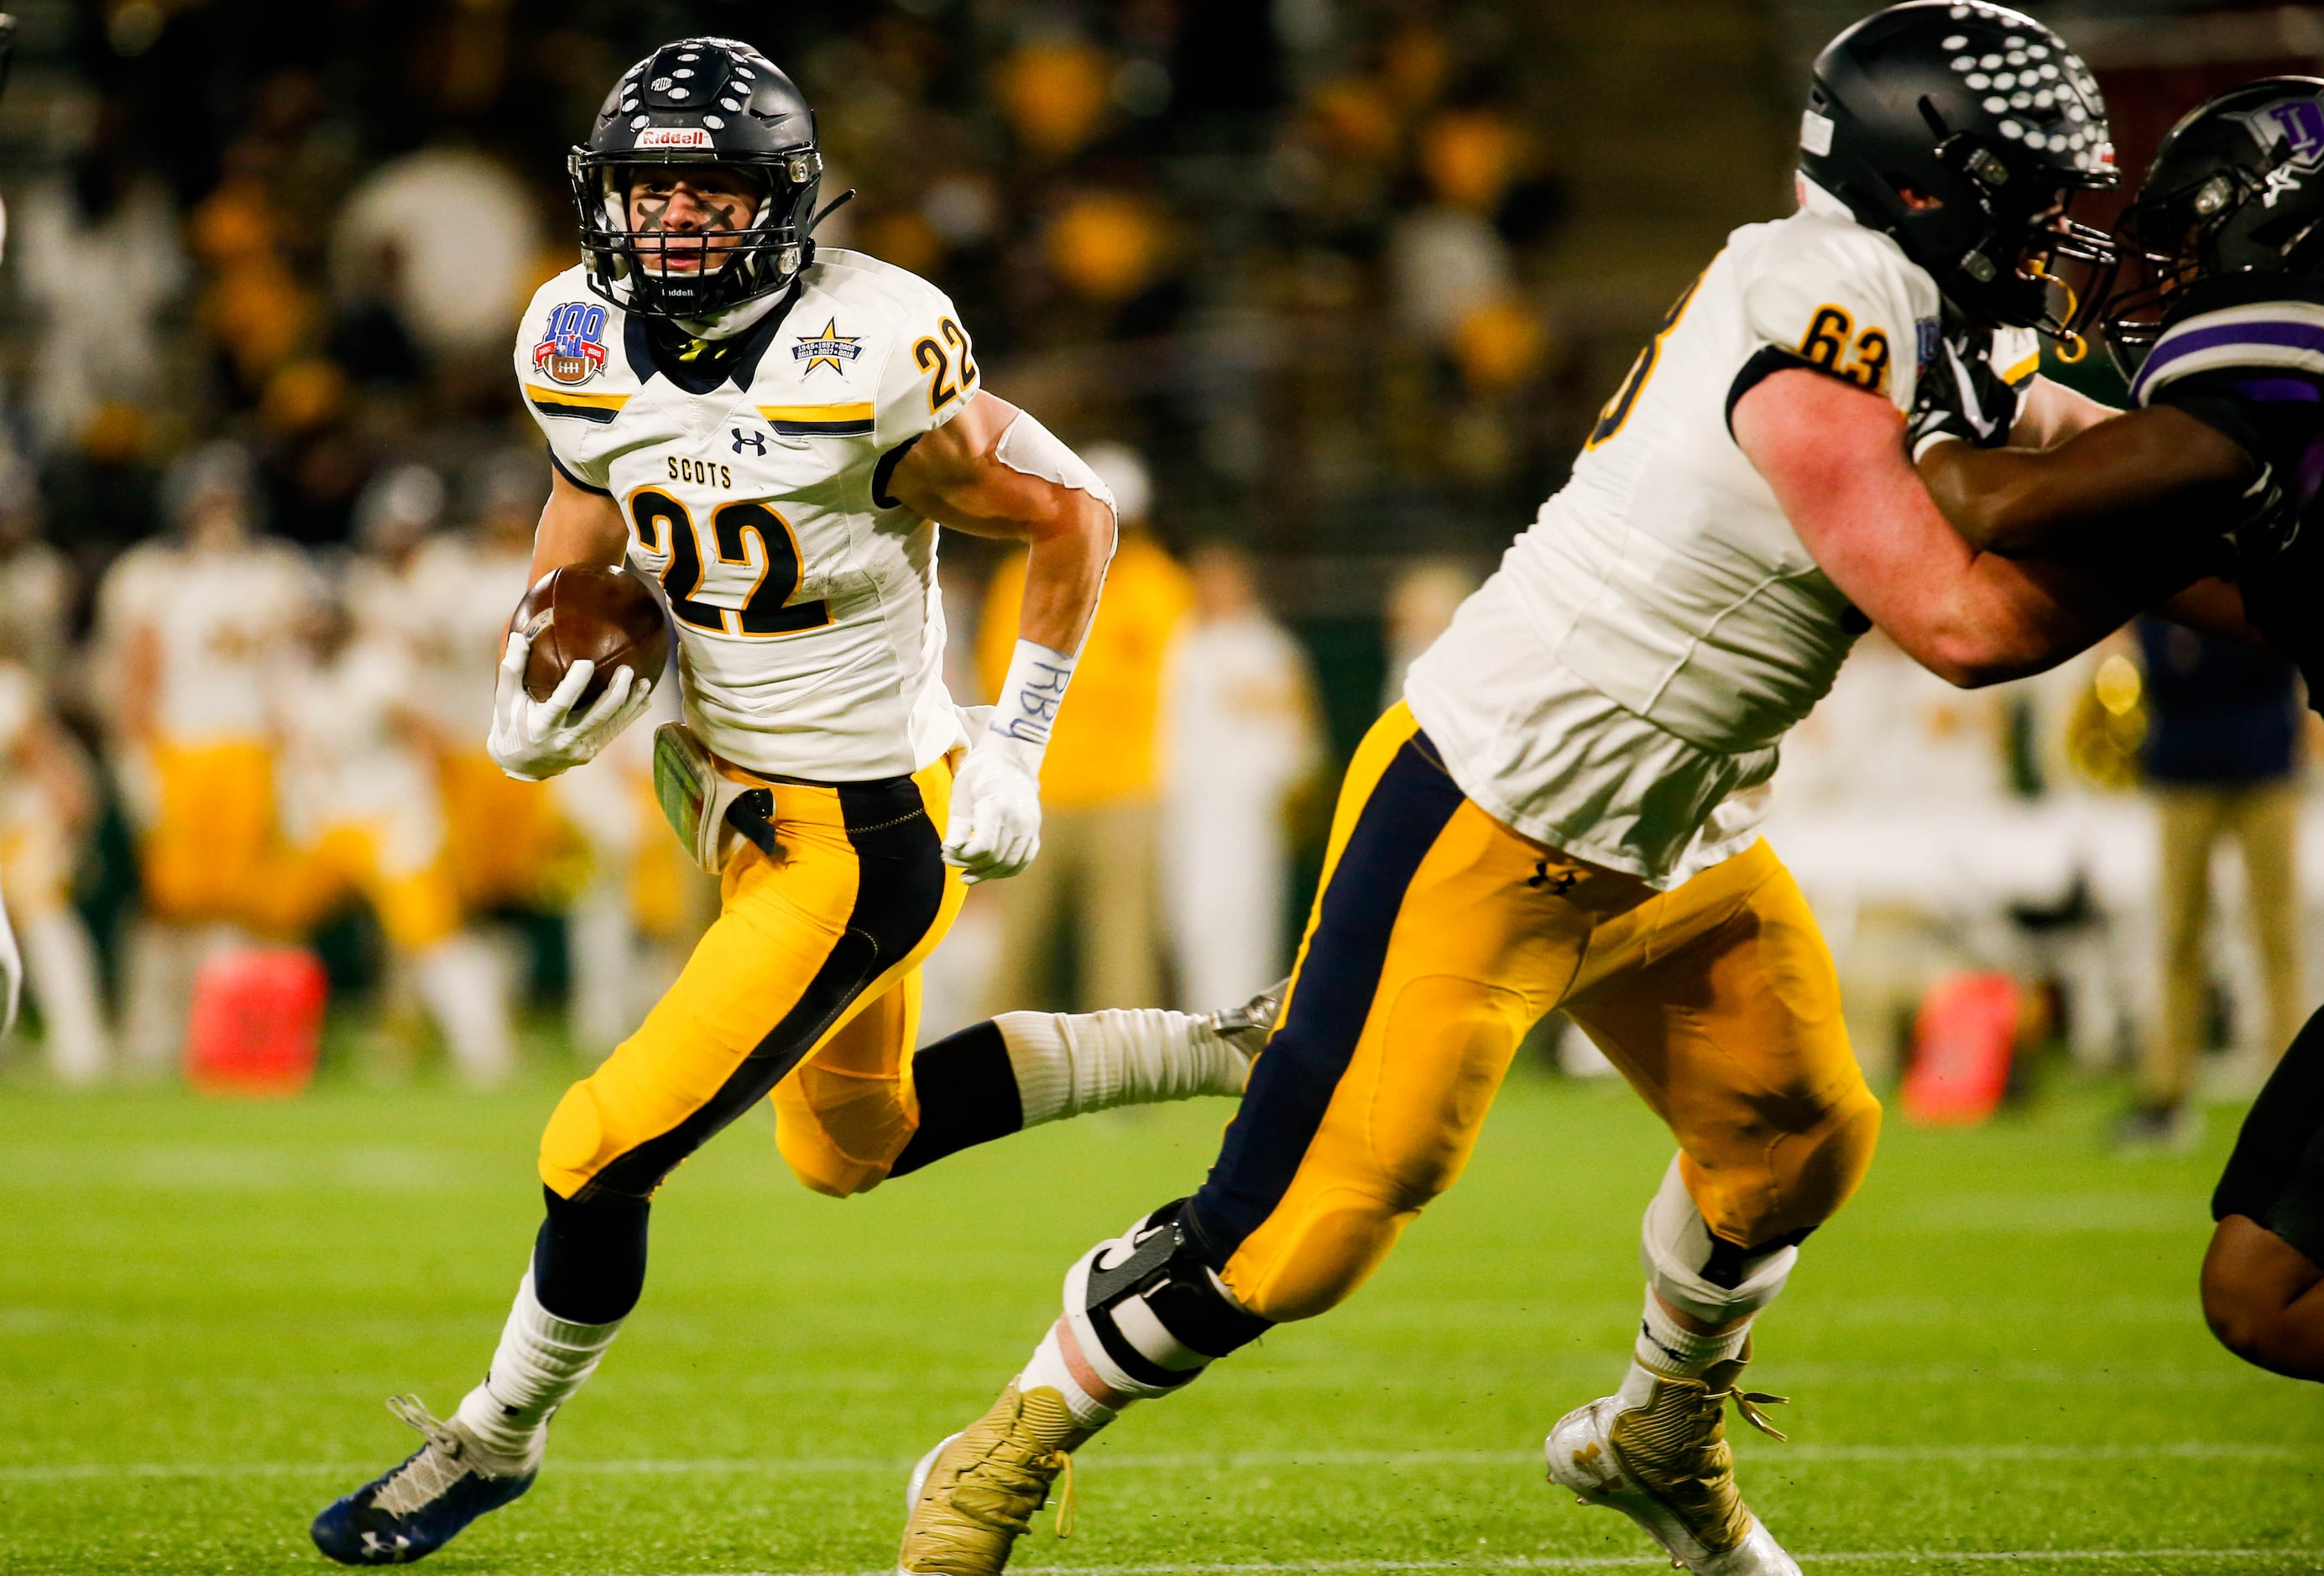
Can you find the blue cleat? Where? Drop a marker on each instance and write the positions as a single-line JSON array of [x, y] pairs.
[[422, 1504]]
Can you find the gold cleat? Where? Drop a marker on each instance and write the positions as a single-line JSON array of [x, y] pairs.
[[1658, 1452], [975, 1495]]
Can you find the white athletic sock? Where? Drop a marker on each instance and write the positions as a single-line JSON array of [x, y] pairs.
[[1067, 1063], [603, 944], [460, 981], [541, 1360], [1049, 1366], [162, 958], [1669, 1347], [62, 971]]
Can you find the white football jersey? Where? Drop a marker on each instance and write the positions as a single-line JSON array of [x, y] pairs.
[[810, 632], [224, 621], [446, 610], [344, 763], [1618, 686]]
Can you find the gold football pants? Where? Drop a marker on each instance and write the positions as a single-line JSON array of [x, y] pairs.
[[1438, 938], [211, 853], [807, 988]]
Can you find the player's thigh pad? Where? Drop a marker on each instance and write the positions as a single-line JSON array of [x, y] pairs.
[[1428, 955], [855, 894], [1719, 1001]]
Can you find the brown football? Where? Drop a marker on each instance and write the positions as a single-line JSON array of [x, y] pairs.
[[609, 616]]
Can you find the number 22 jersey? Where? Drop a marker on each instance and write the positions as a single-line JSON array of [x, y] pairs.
[[810, 634]]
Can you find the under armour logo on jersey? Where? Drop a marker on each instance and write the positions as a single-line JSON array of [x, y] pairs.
[[757, 440], [1557, 885]]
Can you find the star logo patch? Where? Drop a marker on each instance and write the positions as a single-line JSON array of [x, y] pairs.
[[828, 349]]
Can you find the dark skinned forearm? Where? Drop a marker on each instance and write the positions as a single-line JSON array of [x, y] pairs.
[[2132, 473]]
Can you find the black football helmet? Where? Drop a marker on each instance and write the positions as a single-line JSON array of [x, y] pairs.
[[704, 101], [1964, 130], [2236, 192]]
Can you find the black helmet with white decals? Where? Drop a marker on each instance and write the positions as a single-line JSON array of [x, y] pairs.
[[2235, 195], [699, 102], [1963, 130]]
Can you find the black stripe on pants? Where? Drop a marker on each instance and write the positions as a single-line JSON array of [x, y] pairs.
[[898, 891], [1292, 1084]]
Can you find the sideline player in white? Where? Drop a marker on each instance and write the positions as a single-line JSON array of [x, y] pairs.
[[1239, 733], [362, 816], [1562, 813], [197, 633], [771, 432]]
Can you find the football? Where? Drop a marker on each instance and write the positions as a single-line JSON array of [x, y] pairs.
[[608, 615]]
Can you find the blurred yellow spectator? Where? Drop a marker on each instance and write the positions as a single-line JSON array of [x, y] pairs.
[[1053, 95], [235, 223], [1107, 246], [1500, 346], [903, 237], [1413, 64], [303, 396], [115, 434], [1353, 120], [1470, 158]]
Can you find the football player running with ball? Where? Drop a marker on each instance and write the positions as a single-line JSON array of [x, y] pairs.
[[771, 432], [1561, 814], [2217, 469]]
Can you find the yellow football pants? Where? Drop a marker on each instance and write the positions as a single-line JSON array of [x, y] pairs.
[[211, 851], [807, 987], [417, 909], [505, 842], [1438, 938]]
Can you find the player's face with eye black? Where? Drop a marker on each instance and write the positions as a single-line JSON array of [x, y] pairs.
[[691, 213]]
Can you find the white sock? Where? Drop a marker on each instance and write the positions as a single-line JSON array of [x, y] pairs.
[[1669, 1347], [62, 969], [603, 944], [460, 981], [541, 1360], [162, 958], [1067, 1063], [1049, 1366]]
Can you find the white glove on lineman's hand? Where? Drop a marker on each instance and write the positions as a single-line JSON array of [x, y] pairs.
[[535, 739], [995, 826]]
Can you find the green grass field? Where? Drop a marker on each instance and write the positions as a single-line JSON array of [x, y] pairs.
[[1995, 1355]]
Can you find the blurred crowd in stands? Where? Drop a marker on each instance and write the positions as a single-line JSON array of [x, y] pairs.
[[267, 492], [266, 497]]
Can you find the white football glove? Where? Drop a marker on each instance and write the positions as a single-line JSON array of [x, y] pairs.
[[995, 826], [536, 739]]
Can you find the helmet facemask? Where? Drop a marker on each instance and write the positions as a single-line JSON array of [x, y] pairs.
[[688, 273], [2216, 220], [2024, 248]]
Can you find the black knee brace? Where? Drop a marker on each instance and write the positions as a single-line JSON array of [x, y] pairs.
[[1154, 1305]]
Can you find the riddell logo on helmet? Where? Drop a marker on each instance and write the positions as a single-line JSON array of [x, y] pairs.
[[674, 137]]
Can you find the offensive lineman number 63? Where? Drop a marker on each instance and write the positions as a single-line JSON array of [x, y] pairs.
[[663, 525]]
